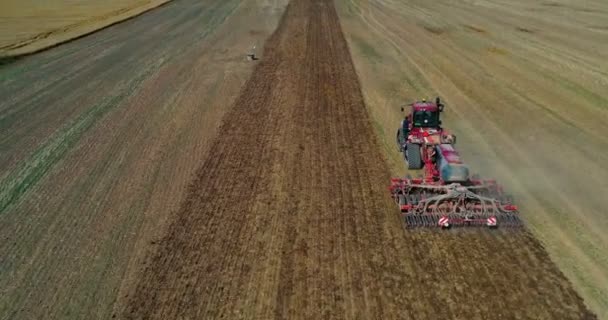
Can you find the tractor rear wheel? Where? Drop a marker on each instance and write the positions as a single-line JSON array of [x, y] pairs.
[[414, 159]]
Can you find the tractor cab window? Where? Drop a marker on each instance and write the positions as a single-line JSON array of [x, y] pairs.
[[426, 119]]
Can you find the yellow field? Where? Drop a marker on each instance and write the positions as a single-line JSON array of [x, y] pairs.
[[29, 25], [525, 88]]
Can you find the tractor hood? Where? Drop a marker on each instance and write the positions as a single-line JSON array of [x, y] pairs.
[[429, 136]]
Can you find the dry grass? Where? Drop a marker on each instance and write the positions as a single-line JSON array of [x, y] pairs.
[[526, 93], [30, 25], [99, 140]]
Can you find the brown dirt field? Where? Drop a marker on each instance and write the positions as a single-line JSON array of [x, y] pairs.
[[100, 137], [31, 25], [525, 83], [289, 217]]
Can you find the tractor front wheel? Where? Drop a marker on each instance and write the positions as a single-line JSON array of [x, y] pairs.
[[399, 141]]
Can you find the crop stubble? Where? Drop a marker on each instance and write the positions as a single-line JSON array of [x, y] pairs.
[[289, 216]]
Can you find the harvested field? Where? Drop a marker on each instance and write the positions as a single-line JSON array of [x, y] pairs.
[[98, 141], [30, 25], [525, 83], [289, 215]]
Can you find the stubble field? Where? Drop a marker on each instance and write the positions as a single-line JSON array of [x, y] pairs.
[[525, 84], [30, 25], [98, 140]]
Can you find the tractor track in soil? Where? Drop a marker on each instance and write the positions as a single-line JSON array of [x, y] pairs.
[[289, 217]]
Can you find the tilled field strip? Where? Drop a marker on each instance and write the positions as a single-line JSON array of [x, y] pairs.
[[289, 216]]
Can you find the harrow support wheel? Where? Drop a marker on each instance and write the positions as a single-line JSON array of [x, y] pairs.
[[401, 199]]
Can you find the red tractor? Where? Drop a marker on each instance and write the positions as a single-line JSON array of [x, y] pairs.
[[446, 195], [420, 131]]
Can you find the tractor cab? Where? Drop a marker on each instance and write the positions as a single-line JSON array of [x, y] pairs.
[[426, 114], [423, 124], [423, 115]]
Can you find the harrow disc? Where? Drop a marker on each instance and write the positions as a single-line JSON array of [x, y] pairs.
[[421, 221], [413, 221], [482, 204], [510, 220]]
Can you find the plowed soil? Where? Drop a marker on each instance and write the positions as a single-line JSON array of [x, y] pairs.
[[289, 216]]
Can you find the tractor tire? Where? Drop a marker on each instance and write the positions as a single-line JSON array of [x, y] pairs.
[[414, 158], [401, 199], [399, 145]]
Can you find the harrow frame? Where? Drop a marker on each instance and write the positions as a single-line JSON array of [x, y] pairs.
[[425, 203]]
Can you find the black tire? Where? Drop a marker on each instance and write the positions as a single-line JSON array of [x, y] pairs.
[[399, 145], [414, 159], [402, 200]]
